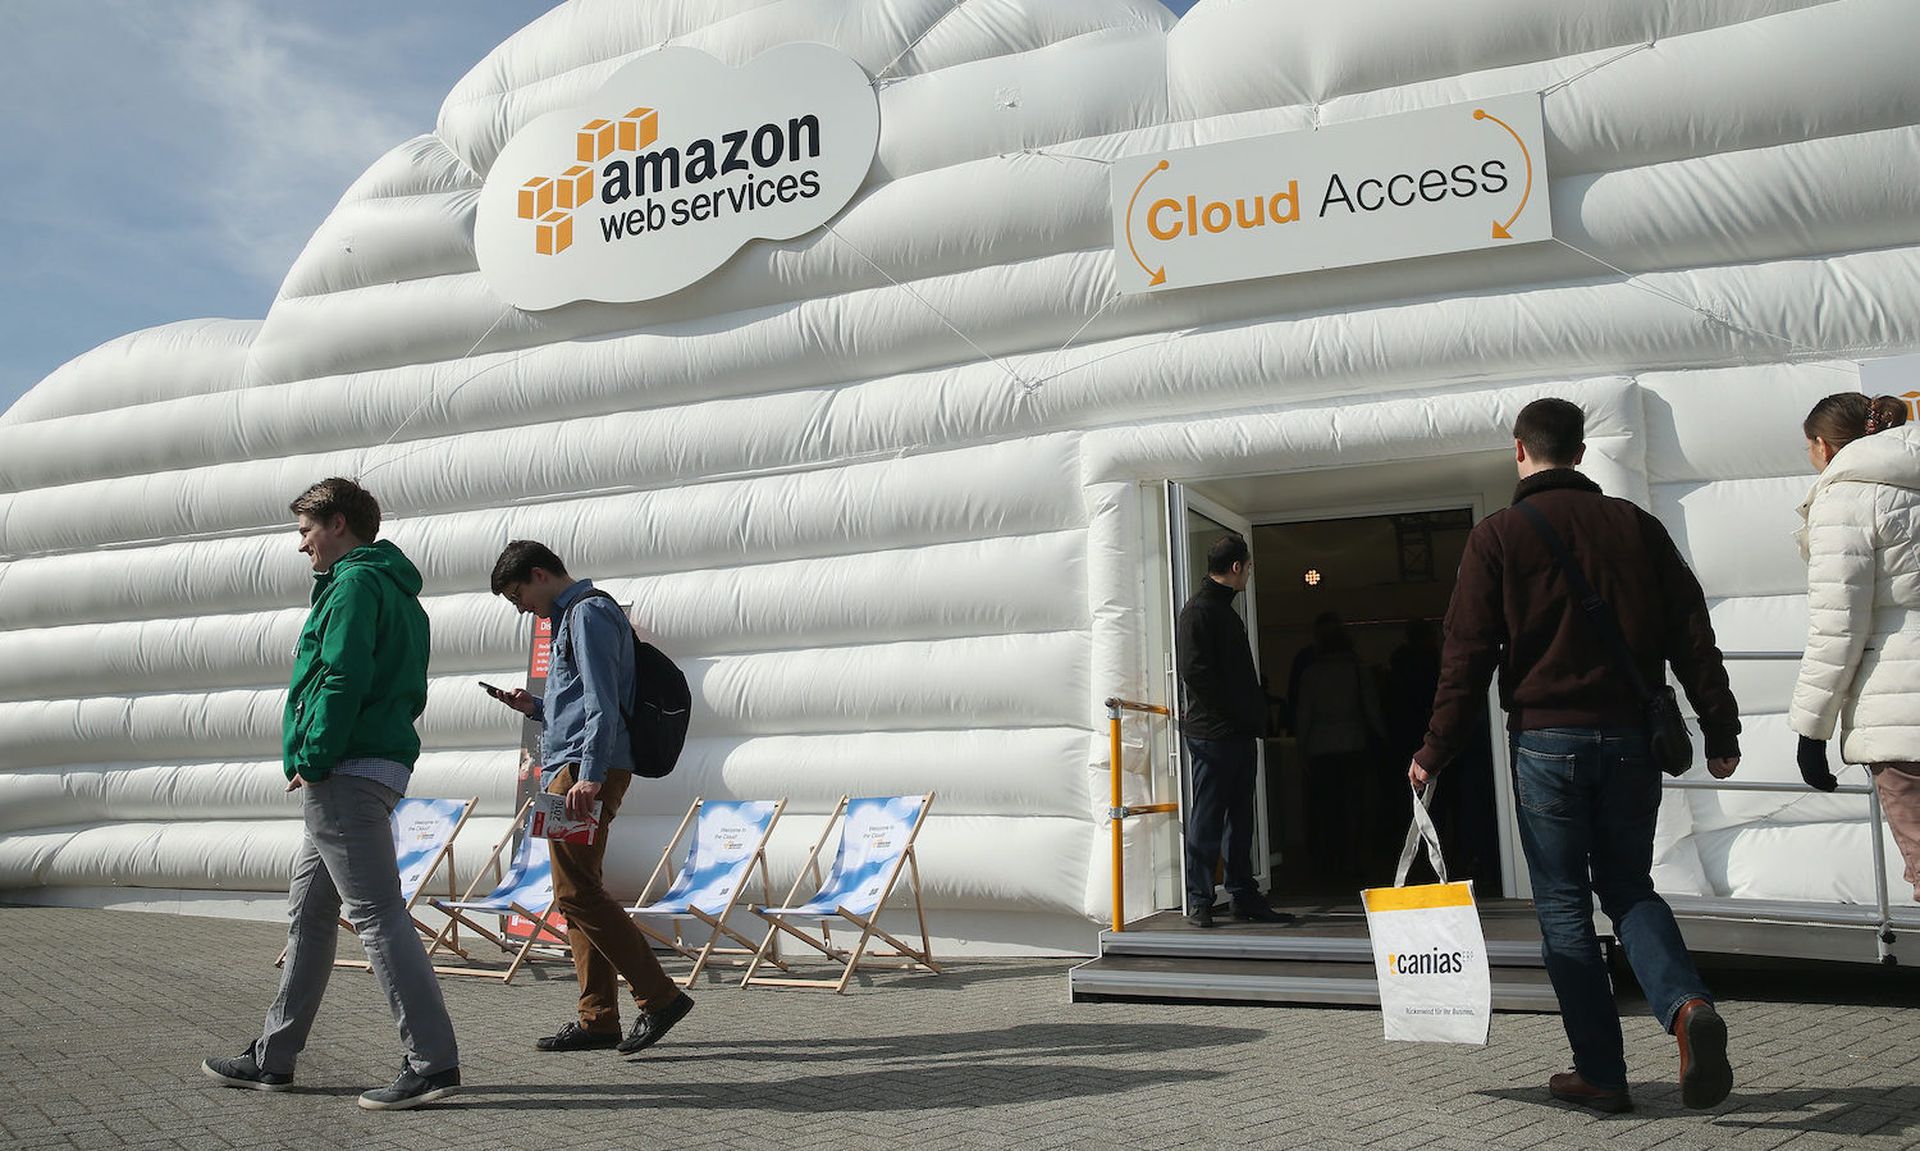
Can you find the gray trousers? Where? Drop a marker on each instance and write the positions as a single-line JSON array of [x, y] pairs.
[[347, 857]]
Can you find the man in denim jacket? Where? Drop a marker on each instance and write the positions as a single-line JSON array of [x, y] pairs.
[[585, 756]]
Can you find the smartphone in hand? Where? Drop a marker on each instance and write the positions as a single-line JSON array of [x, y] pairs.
[[498, 693]]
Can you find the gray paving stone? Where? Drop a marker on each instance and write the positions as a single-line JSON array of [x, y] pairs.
[[107, 1016]]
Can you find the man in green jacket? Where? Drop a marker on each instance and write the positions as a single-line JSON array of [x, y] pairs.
[[349, 745]]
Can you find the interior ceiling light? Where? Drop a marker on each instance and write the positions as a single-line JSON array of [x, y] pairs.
[[1312, 577]]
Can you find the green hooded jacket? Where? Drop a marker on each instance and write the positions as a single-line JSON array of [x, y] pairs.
[[360, 672]]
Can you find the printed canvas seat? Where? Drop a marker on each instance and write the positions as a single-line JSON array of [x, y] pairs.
[[728, 843], [876, 843], [423, 834], [524, 890]]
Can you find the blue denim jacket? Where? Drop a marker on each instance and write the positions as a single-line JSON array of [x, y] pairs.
[[589, 675]]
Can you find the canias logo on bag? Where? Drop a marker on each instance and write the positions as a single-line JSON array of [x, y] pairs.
[[674, 164], [1433, 962]]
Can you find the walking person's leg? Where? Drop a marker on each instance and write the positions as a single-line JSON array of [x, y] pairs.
[[1628, 808], [313, 913], [1899, 787], [1623, 879], [576, 876], [354, 837], [1206, 825], [313, 939], [1553, 773], [358, 850], [605, 938]]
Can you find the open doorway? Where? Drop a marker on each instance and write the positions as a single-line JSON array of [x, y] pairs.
[[1350, 612], [1378, 547]]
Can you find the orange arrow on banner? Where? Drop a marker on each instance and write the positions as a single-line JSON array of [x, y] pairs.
[[1499, 229], [1155, 276]]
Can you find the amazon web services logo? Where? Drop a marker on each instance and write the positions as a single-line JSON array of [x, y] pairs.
[[671, 166], [549, 201]]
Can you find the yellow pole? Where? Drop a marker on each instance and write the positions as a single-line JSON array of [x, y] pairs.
[[1115, 815]]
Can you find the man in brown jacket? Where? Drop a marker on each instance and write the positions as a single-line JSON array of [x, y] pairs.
[[1587, 788]]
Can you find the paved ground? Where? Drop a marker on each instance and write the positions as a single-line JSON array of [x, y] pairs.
[[108, 1014]]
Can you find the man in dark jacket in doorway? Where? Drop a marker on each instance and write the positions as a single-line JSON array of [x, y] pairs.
[[1226, 715], [1587, 787]]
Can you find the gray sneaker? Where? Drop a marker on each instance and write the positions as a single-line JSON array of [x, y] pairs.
[[412, 1089], [243, 1070]]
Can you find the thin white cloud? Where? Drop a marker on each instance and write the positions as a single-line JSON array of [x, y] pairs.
[[290, 126]]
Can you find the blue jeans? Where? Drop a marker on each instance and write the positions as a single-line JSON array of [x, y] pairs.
[[1220, 823], [1588, 799]]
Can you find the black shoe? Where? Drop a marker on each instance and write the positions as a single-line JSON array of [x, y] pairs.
[[244, 1071], [412, 1089], [1705, 1075], [1260, 913], [652, 1026], [574, 1037], [1201, 916]]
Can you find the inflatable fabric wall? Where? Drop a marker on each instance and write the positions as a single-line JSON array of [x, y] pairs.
[[888, 491]]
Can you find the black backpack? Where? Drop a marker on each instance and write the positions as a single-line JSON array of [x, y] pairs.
[[661, 706]]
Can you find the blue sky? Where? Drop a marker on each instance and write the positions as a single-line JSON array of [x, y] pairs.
[[164, 161]]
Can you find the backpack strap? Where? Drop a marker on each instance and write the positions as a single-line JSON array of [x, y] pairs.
[[1596, 608], [626, 714]]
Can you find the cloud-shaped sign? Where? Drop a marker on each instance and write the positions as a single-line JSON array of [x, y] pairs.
[[675, 163]]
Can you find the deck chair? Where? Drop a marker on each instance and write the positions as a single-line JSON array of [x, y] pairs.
[[525, 889], [423, 835], [876, 843], [729, 841]]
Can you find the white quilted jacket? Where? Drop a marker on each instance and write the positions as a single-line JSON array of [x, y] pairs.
[[1862, 545]]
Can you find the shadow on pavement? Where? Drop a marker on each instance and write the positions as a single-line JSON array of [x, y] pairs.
[[1837, 1110], [915, 1088], [948, 1070], [952, 976], [1854, 1111], [1063, 1039]]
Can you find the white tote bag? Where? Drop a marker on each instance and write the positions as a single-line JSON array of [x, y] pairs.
[[1428, 953]]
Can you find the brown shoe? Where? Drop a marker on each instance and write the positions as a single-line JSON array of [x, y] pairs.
[[1568, 1087], [1705, 1075]]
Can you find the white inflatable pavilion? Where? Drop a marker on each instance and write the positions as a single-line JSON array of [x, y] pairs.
[[891, 492]]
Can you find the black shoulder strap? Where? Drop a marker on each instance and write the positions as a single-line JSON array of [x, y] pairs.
[[1596, 608]]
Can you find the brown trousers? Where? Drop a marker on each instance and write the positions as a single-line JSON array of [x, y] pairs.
[[605, 941], [1899, 787]]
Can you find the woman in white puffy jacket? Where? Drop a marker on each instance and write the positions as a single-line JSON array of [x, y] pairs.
[[1861, 672]]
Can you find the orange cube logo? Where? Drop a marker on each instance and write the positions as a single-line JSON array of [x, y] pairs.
[[638, 129], [536, 198], [554, 233], [595, 140], [575, 187]]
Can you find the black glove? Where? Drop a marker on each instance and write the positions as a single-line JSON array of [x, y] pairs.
[[1813, 765]]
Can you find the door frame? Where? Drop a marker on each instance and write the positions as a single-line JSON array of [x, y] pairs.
[[1180, 500]]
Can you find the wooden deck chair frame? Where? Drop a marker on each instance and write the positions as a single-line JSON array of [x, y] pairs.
[[442, 858], [748, 948], [909, 958], [522, 952]]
